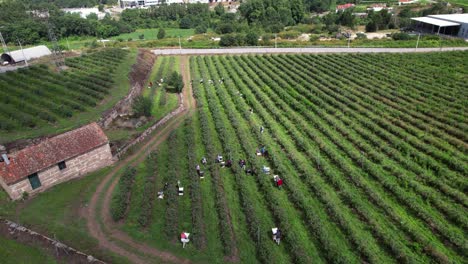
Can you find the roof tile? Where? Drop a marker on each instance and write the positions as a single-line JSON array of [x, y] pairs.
[[51, 151]]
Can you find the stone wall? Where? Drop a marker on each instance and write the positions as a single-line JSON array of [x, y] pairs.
[[150, 130], [138, 76], [76, 167]]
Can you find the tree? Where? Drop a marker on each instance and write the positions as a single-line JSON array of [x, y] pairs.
[[185, 22], [142, 106], [251, 39], [200, 29], [219, 9], [176, 81], [297, 10], [161, 33], [227, 40]]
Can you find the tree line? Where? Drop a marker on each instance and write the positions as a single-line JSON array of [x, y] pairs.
[[29, 21]]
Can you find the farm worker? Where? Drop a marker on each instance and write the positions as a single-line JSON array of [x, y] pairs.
[[203, 161], [278, 236], [198, 167], [151, 84], [279, 182], [184, 238], [228, 163], [262, 129]]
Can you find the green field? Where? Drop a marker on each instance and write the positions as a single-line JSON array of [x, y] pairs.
[[463, 3], [371, 149], [12, 252], [164, 99], [37, 100], [64, 218]]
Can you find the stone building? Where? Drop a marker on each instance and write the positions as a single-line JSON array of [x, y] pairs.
[[37, 167]]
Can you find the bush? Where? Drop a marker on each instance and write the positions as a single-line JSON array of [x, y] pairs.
[[251, 39], [185, 23], [361, 36], [176, 81], [142, 36], [401, 36], [292, 34], [200, 29], [232, 40], [142, 106], [161, 33], [120, 199]]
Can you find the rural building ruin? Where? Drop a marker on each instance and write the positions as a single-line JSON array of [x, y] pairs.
[[37, 167]]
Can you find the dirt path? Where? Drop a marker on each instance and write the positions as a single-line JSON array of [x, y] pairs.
[[100, 224]]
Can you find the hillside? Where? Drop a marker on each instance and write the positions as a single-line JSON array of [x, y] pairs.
[[38, 101]]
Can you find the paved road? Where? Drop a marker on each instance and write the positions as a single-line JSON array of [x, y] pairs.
[[295, 50]]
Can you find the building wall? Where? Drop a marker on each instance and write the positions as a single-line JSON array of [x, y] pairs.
[[463, 32], [76, 167]]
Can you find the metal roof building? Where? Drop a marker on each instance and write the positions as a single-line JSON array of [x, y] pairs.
[[28, 54], [449, 24]]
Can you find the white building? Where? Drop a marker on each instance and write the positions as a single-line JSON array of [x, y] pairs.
[[84, 12], [25, 54], [450, 24], [148, 3]]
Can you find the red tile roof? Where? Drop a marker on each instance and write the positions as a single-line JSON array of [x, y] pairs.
[[345, 6], [51, 151]]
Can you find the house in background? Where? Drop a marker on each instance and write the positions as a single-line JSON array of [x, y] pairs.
[[448, 25], [37, 167], [378, 7], [343, 7]]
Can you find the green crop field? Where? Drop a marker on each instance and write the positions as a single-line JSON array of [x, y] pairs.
[[37, 100], [371, 148], [12, 252]]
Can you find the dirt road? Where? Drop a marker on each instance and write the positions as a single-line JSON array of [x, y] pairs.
[[100, 224], [261, 50]]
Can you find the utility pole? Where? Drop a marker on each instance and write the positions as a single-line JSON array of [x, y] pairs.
[[5, 47], [180, 44], [68, 45], [275, 41], [57, 54], [440, 42], [22, 51], [417, 42]]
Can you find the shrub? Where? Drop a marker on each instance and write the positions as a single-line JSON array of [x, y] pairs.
[[120, 200], [401, 36], [185, 23], [292, 34], [361, 36], [176, 81], [142, 106], [200, 29], [251, 39], [161, 33]]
